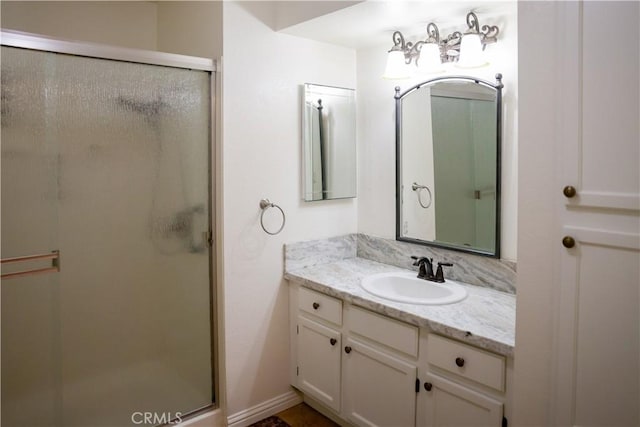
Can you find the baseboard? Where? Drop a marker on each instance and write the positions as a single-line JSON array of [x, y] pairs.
[[211, 418], [264, 410]]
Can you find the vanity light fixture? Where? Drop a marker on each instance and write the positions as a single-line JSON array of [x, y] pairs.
[[463, 49]]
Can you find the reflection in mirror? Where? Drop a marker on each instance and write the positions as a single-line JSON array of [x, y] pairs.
[[448, 164], [328, 143]]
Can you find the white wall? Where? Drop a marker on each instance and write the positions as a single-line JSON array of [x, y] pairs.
[[262, 109], [376, 130], [190, 28], [537, 213], [290, 13], [186, 27], [119, 23]]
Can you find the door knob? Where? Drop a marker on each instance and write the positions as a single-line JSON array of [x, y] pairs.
[[316, 305], [568, 242], [333, 341], [347, 349], [428, 386], [569, 191], [460, 361]]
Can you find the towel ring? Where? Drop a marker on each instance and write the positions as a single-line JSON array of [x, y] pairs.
[[264, 205], [417, 187]]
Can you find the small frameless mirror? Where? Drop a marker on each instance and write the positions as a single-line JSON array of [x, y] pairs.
[[448, 136], [328, 143]]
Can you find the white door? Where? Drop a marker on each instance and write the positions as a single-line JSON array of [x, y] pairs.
[[598, 344], [379, 389], [319, 362]]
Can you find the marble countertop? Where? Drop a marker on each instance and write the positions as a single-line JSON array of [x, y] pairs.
[[485, 318]]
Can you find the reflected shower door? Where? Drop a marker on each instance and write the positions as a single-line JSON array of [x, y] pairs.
[[107, 162]]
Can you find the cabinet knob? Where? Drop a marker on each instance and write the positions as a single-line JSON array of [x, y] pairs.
[[460, 361], [568, 242], [316, 305], [347, 349], [428, 386], [333, 341], [569, 191]]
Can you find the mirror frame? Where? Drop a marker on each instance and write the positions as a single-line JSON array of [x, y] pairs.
[[398, 98]]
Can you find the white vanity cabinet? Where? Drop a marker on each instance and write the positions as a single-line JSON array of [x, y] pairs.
[[379, 388], [463, 385], [319, 362], [363, 368], [380, 369], [450, 404], [371, 370], [318, 347]]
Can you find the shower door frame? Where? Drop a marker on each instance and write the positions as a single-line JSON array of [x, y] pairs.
[[18, 39]]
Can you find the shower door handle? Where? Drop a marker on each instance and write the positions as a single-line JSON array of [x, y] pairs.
[[53, 256], [207, 236]]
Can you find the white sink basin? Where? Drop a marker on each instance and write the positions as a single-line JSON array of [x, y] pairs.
[[406, 287]]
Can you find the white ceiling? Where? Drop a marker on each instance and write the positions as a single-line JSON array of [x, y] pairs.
[[371, 23]]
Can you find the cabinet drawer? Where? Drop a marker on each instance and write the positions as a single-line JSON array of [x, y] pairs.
[[470, 362], [392, 333], [323, 306]]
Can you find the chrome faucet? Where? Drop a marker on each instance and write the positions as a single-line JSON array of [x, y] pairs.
[[425, 269]]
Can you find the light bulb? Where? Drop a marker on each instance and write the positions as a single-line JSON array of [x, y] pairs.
[[471, 54], [396, 67], [429, 61]]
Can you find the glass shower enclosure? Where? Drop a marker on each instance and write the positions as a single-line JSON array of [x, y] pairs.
[[107, 294]]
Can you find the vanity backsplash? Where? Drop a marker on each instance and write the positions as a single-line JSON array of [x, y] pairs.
[[475, 270]]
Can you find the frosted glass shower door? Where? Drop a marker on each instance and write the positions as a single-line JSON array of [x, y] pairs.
[[30, 318], [107, 162]]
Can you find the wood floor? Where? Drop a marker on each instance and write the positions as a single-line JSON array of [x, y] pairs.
[[303, 415]]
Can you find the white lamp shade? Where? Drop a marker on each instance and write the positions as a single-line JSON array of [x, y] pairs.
[[471, 54], [429, 61], [396, 67]]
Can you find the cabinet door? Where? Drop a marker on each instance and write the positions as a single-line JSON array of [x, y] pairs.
[[379, 389], [319, 362], [450, 404], [579, 178], [598, 334]]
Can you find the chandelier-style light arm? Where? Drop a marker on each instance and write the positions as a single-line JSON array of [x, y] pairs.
[[413, 53], [409, 49], [398, 42], [433, 35], [472, 23], [489, 34]]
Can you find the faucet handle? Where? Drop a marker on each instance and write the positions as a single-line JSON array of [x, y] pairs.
[[439, 273]]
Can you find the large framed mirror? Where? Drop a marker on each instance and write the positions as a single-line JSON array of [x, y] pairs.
[[448, 137], [328, 143]]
